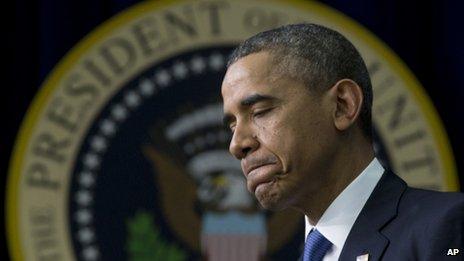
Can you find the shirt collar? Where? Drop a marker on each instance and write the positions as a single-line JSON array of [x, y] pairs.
[[336, 222]]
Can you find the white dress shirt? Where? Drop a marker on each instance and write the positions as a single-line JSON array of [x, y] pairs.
[[337, 221]]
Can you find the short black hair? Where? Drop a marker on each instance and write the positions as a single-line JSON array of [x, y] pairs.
[[316, 55]]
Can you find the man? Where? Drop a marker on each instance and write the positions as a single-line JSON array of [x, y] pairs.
[[298, 100]]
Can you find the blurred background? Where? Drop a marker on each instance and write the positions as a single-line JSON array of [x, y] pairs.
[[426, 35]]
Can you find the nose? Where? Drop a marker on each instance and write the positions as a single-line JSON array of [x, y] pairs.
[[243, 142]]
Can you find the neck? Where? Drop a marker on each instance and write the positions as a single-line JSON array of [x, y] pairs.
[[348, 162]]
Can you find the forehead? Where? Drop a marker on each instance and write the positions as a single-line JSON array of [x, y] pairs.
[[252, 66], [252, 74]]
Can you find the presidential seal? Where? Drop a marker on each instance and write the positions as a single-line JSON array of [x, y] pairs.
[[123, 156]]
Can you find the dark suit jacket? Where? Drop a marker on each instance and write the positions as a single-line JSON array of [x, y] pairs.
[[402, 223]]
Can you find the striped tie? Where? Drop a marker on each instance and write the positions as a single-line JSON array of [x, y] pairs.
[[316, 246]]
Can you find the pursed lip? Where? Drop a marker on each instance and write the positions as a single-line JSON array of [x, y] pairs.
[[252, 165], [255, 166], [260, 177]]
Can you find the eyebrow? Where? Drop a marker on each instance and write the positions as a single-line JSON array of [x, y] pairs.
[[248, 102]]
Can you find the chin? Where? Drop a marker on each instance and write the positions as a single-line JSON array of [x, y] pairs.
[[271, 201], [272, 196], [272, 206]]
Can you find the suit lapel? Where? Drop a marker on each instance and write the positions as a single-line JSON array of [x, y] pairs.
[[381, 207]]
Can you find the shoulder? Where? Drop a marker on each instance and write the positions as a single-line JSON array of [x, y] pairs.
[[439, 221], [439, 211], [419, 204], [421, 212], [420, 197], [433, 204], [427, 223]]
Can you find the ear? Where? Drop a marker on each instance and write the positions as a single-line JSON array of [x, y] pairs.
[[349, 98]]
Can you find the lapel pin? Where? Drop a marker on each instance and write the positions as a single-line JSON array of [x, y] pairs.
[[364, 257]]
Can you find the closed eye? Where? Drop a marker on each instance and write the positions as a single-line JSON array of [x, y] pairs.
[[260, 113]]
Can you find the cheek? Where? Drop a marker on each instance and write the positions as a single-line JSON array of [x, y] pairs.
[[270, 133], [281, 139], [300, 141]]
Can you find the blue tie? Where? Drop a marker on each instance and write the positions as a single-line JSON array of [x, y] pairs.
[[316, 246]]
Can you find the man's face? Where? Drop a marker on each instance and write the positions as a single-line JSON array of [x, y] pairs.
[[282, 133]]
